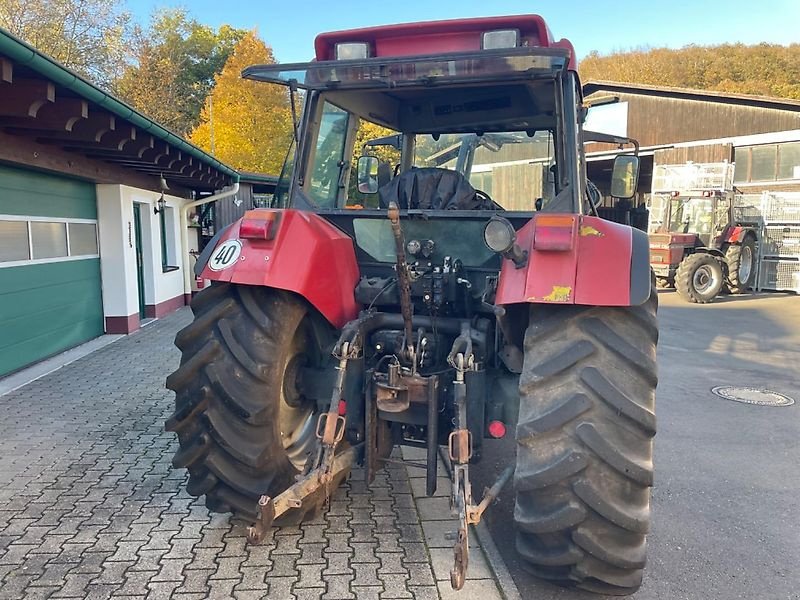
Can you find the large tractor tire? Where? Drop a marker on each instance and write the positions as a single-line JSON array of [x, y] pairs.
[[741, 259], [585, 444], [699, 278], [243, 428]]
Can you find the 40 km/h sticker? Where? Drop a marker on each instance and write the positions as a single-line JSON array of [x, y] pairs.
[[225, 255]]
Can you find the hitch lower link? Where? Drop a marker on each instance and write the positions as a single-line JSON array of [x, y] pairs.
[[459, 446], [327, 465]]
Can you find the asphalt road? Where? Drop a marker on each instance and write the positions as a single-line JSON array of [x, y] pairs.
[[727, 491]]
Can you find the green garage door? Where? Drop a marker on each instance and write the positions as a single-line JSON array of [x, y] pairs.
[[50, 297]]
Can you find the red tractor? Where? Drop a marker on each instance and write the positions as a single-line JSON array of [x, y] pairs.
[[421, 311], [701, 242]]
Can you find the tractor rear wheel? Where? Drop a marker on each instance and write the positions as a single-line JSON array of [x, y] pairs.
[[741, 259], [699, 278], [585, 444], [243, 427]]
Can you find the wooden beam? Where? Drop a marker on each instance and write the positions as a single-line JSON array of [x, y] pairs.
[[24, 97], [113, 140], [88, 131], [61, 115], [129, 161], [28, 153], [174, 158], [96, 126], [142, 145], [154, 152], [6, 70]]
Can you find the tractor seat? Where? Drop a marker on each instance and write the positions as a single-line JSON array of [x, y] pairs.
[[432, 188]]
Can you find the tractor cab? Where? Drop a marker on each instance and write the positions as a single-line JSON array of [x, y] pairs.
[[701, 213]]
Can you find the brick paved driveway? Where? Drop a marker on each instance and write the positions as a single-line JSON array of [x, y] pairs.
[[91, 508]]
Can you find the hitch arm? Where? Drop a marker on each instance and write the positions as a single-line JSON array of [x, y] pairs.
[[270, 509]]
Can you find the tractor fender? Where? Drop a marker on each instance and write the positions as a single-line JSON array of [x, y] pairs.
[[203, 257], [737, 234], [601, 263], [712, 251], [291, 250]]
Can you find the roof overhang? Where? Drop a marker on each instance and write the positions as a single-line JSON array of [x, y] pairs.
[[46, 102]]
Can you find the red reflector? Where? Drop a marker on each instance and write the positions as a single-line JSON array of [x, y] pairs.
[[497, 429], [342, 408], [258, 225], [554, 232]]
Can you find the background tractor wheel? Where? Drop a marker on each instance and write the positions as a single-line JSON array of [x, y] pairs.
[[699, 278], [585, 444], [741, 259], [243, 428]]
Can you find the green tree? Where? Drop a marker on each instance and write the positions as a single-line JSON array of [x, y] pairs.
[[173, 67], [88, 36], [249, 122]]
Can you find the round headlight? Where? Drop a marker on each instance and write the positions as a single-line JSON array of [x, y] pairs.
[[499, 235]]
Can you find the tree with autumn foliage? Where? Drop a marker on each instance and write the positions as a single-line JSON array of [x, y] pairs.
[[246, 124], [174, 63], [763, 69]]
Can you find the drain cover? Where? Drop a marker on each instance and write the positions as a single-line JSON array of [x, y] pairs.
[[752, 396]]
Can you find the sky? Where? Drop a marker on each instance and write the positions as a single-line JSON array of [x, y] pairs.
[[289, 26]]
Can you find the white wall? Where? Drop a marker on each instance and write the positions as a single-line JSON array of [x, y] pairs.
[[159, 286], [117, 252], [118, 249]]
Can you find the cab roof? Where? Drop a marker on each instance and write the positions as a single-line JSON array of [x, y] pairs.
[[441, 37]]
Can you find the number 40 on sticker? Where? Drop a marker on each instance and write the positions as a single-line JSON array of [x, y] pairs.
[[225, 255]]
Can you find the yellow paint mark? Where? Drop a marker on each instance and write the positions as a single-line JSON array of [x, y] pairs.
[[588, 230], [559, 294]]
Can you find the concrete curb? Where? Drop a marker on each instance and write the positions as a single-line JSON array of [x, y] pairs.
[[502, 575], [496, 563]]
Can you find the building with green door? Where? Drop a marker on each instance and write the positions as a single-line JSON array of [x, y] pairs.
[[91, 197]]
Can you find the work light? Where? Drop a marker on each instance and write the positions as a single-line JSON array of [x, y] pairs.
[[499, 235], [352, 50], [501, 38]]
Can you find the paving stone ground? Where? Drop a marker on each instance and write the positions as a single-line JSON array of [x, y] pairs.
[[90, 506]]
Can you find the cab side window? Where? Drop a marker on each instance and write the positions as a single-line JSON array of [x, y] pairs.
[[328, 161]]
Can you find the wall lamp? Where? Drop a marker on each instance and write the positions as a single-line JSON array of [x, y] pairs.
[[160, 204]]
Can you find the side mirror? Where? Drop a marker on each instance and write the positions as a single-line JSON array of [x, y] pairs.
[[367, 174], [625, 176]]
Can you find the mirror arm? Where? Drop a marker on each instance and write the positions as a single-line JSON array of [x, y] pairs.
[[607, 138]]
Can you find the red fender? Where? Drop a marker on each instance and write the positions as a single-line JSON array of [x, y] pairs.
[[577, 259], [735, 234], [290, 250]]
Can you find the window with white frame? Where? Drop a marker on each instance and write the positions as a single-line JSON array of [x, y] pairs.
[[169, 245], [32, 240]]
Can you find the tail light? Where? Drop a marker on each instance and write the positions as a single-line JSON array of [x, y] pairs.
[[259, 225], [555, 233], [497, 429]]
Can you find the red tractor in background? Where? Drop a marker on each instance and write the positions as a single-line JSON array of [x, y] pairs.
[[427, 312], [700, 243]]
